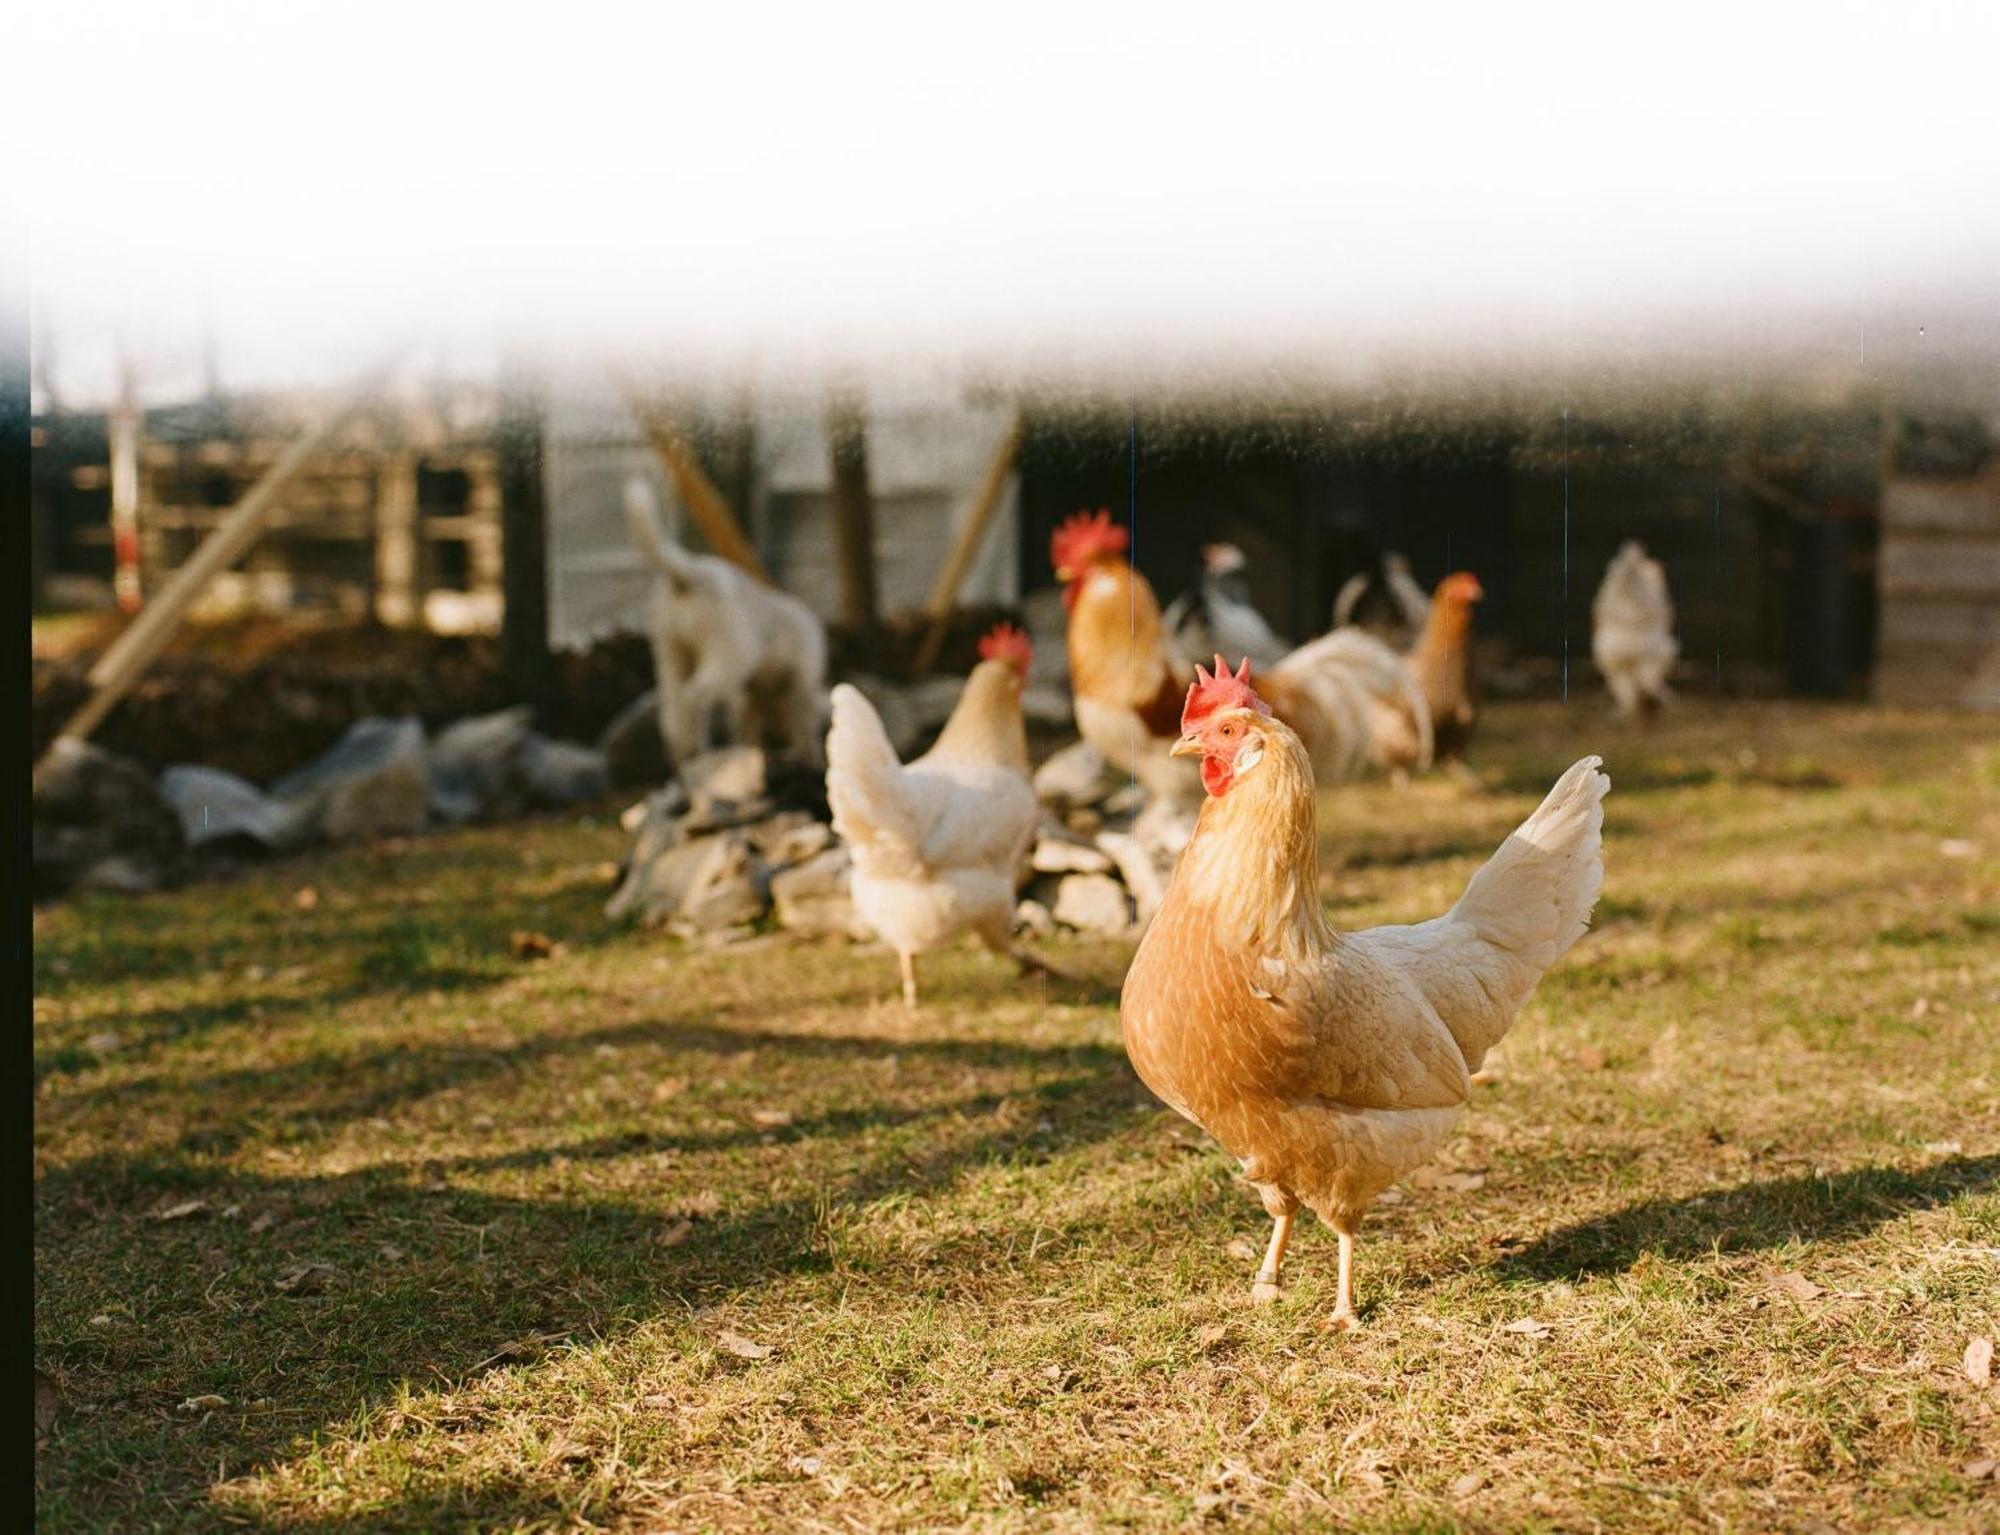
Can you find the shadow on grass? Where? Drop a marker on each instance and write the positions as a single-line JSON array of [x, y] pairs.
[[1749, 1218], [433, 1280]]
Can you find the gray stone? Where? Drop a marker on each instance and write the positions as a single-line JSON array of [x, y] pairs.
[[561, 773], [1075, 777], [475, 766], [1093, 903], [93, 808], [720, 782], [789, 837], [816, 897], [635, 752], [1140, 868], [726, 888], [373, 782], [1063, 855], [219, 808], [1034, 919]]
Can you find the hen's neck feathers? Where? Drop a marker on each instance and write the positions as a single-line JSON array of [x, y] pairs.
[[1115, 650], [985, 725], [1252, 866]]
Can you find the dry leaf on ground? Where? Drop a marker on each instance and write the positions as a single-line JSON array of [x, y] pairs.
[[1979, 1361], [742, 1347], [1797, 1286]]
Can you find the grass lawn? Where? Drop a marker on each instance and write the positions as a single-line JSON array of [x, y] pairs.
[[349, 1219]]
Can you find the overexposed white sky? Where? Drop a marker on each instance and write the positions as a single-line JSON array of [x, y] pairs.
[[304, 179]]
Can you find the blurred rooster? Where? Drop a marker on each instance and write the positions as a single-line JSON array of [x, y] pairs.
[[936, 842], [1385, 600], [1218, 614], [1331, 1064], [1632, 631], [1350, 698], [1442, 660]]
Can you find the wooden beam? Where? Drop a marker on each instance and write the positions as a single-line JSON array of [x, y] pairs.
[[134, 650], [971, 535], [853, 506], [524, 547], [697, 492]]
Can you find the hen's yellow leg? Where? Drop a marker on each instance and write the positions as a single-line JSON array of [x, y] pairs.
[[1345, 1318], [1264, 1289], [909, 979]]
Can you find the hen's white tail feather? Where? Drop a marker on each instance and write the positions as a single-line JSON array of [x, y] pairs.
[[1480, 961], [864, 780]]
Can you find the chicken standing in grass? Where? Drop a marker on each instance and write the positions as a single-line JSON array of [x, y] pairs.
[[1219, 615], [1352, 700], [1632, 631], [936, 842], [1442, 660], [1332, 1064]]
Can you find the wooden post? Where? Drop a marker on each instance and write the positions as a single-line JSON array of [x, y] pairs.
[[123, 431], [134, 650], [853, 506], [697, 492], [524, 549], [971, 535], [396, 542]]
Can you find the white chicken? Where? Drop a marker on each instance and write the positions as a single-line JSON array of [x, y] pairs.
[[937, 842], [1632, 631]]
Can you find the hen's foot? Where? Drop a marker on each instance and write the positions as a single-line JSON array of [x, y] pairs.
[[1342, 1320], [1264, 1290]]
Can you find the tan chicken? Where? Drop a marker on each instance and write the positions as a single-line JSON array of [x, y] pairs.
[[1442, 661], [1349, 696], [936, 842], [1333, 1064]]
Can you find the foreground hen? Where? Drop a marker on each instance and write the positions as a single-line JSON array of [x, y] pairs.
[[1333, 1064], [936, 843]]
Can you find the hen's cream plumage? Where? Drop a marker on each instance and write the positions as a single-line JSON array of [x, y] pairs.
[[1332, 1065], [935, 842], [1632, 631]]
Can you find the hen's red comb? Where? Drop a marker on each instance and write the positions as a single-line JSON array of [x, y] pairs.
[[1003, 642], [1083, 536], [1224, 690]]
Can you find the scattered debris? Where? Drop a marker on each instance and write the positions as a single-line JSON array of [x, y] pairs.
[[1797, 1286], [205, 1403], [1076, 778], [306, 1278], [1979, 1361], [1527, 1327], [180, 1209], [532, 945], [48, 1406], [1468, 1484], [742, 1347]]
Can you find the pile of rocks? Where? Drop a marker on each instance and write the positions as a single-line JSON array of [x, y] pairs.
[[737, 842], [101, 821], [734, 840], [1103, 855]]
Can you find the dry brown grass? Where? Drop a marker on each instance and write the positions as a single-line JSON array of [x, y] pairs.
[[995, 1280]]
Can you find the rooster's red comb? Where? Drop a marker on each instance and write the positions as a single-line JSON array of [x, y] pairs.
[[1003, 642], [1083, 536], [1224, 690]]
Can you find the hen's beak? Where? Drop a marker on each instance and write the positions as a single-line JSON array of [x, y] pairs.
[[1065, 574], [1186, 746]]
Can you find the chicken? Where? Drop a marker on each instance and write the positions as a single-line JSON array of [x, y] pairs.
[[1219, 615], [936, 842], [1632, 631], [1332, 1064], [1442, 660], [1351, 698], [1385, 600]]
